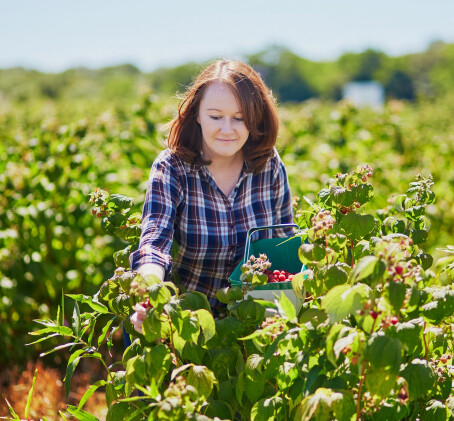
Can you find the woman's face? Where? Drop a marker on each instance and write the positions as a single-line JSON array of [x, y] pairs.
[[223, 129]]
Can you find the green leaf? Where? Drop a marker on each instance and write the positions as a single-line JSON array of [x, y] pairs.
[[152, 326], [419, 236], [60, 330], [104, 331], [194, 300], [298, 285], [420, 378], [396, 294], [434, 411], [268, 409], [120, 411], [42, 339], [324, 402], [380, 382], [260, 279], [254, 385], [76, 320], [409, 333], [93, 387], [72, 364], [357, 226], [120, 202], [311, 254], [240, 387], [175, 313], [364, 193], [80, 414], [343, 300], [287, 306], [159, 295], [100, 308], [369, 268], [30, 393], [335, 275], [206, 323], [191, 328], [58, 348], [390, 410], [202, 379], [12, 412], [384, 352]]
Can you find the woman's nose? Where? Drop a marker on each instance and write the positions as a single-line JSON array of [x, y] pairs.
[[227, 125]]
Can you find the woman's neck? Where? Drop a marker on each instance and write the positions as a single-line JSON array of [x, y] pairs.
[[226, 164]]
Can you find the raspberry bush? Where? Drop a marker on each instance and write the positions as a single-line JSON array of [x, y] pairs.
[[373, 338]]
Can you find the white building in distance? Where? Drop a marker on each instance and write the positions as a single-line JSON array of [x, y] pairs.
[[364, 94]]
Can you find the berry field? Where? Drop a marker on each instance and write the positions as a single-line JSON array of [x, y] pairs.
[[374, 197]]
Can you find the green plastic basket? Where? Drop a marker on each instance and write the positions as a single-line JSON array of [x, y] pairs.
[[282, 252]]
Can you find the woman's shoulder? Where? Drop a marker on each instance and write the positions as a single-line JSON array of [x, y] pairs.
[[170, 161], [274, 162]]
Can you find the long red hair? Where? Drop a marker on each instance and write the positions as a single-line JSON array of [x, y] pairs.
[[257, 105]]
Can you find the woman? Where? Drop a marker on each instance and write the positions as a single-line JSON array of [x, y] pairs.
[[219, 176]]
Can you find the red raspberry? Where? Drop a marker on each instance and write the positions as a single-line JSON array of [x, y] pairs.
[[394, 320], [282, 278], [399, 269], [374, 314]]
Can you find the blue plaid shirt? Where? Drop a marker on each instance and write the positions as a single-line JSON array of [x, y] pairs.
[[184, 204]]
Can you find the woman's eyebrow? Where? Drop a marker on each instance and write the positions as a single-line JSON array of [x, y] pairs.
[[216, 109]]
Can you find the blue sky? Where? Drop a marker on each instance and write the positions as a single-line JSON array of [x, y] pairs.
[[53, 35]]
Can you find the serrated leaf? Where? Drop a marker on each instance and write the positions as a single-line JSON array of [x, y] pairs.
[[380, 382], [202, 379], [434, 411], [384, 352], [159, 295], [357, 226], [206, 323], [287, 306], [396, 294], [298, 285], [369, 268], [364, 193], [175, 313], [420, 378], [343, 300]]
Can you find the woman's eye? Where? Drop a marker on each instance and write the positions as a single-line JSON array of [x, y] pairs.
[[238, 119], [215, 117]]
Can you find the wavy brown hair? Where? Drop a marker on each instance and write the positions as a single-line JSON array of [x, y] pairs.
[[257, 105]]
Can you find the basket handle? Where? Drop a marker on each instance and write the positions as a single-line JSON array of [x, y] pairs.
[[252, 230]]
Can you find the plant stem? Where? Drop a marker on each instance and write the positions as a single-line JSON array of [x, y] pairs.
[[172, 344], [426, 349], [358, 403], [362, 379]]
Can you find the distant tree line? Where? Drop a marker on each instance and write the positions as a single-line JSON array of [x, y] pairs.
[[428, 74]]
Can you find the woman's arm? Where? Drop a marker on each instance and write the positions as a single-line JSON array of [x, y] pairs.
[[152, 269], [163, 196]]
